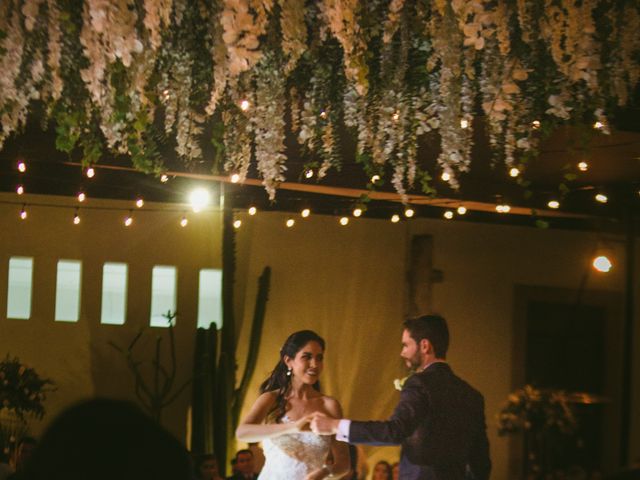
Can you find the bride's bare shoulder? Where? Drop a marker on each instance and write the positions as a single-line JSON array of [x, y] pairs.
[[332, 406]]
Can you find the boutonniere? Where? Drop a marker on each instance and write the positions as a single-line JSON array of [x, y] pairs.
[[398, 383]]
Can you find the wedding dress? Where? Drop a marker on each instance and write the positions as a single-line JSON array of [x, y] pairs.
[[293, 455]]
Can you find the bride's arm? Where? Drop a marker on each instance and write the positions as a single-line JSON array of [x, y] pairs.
[[341, 464], [252, 428]]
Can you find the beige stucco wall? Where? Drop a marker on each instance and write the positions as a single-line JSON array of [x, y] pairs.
[[77, 355]]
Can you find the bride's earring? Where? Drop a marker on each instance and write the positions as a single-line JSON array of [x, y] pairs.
[[288, 372]]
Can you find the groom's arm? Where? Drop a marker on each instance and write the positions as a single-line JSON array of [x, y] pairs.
[[412, 407]]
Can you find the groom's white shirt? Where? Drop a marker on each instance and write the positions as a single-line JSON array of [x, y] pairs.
[[343, 430]]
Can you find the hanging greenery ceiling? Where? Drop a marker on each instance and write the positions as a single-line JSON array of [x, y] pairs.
[[128, 76]]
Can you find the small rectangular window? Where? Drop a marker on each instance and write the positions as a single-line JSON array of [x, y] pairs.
[[114, 293], [19, 291], [163, 294], [68, 283], [210, 297]]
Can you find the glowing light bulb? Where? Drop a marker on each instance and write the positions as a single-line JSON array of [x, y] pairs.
[[139, 203], [598, 125], [305, 212], [244, 105], [553, 204], [184, 222], [536, 124], [395, 218], [446, 176], [82, 197], [409, 212], [76, 219], [237, 224], [199, 198], [602, 264], [164, 178], [23, 213], [308, 173], [357, 212], [290, 222], [90, 172], [396, 117], [128, 221], [235, 178], [344, 221], [323, 114], [583, 166], [20, 190], [375, 178], [464, 123], [602, 198], [252, 210], [514, 172], [448, 214], [503, 208], [462, 210], [22, 167]]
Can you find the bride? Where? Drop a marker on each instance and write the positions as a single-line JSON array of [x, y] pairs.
[[280, 416]]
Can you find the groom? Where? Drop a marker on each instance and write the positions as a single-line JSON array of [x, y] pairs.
[[439, 420]]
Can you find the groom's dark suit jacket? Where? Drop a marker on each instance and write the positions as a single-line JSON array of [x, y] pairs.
[[440, 423]]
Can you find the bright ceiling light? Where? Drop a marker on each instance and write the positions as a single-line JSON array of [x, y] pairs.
[[199, 199]]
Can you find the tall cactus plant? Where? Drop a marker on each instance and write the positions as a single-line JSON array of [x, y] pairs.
[[216, 400]]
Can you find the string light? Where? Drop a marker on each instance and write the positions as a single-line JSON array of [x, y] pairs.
[[446, 176], [323, 114], [20, 190], [583, 166], [237, 224], [344, 221], [464, 123], [290, 222], [305, 212], [82, 197], [409, 212], [139, 202], [22, 167], [598, 125], [503, 208], [90, 172], [396, 117], [602, 264], [23, 212], [184, 222], [514, 172], [395, 218], [164, 178], [536, 124], [462, 210], [357, 212], [375, 178], [602, 198], [199, 198], [252, 210], [553, 204], [308, 173], [76, 218], [235, 178], [244, 105], [128, 220], [448, 214]]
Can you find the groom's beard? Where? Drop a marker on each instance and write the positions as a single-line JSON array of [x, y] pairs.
[[414, 362]]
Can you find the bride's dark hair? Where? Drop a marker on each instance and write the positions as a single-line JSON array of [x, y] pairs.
[[279, 381]]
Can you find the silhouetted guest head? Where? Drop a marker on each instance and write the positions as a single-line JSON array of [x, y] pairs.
[[103, 440], [206, 467], [244, 462]]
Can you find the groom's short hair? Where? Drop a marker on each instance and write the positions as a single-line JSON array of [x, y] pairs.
[[433, 328]]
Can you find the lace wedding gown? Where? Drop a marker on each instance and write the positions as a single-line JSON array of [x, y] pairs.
[[293, 455]]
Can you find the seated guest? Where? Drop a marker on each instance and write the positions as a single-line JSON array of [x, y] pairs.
[[105, 440], [382, 471], [206, 468], [243, 469]]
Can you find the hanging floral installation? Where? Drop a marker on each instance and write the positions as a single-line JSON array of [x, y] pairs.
[[132, 77]]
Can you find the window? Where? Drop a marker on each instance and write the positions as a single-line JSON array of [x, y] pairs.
[[114, 293], [68, 282], [163, 294], [210, 297], [19, 291]]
